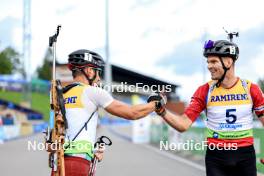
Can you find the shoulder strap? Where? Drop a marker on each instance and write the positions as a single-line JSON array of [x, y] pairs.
[[212, 85], [69, 87], [245, 86], [84, 126]]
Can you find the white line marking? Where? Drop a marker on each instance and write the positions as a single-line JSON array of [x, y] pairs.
[[174, 157]]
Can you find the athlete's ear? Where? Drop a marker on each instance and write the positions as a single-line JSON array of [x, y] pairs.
[[228, 62]]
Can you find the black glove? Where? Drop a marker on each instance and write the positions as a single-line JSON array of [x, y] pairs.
[[160, 100]]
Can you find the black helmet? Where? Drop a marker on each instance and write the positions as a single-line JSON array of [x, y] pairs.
[[85, 58], [221, 48]]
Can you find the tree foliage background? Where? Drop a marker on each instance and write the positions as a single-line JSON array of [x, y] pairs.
[[9, 62], [261, 84], [44, 71]]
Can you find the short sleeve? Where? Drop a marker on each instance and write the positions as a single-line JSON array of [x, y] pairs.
[[258, 99], [97, 95], [197, 103]]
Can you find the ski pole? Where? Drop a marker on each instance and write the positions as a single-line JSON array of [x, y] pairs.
[[101, 142]]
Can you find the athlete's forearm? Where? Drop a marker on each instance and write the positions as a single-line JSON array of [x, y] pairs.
[[142, 110], [179, 122], [126, 111]]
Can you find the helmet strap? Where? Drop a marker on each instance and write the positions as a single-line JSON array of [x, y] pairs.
[[90, 81], [223, 76]]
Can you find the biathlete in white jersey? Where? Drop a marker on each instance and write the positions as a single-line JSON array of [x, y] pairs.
[[82, 100]]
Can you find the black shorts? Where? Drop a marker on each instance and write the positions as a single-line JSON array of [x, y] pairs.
[[240, 162]]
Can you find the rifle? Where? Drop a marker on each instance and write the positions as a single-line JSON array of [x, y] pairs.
[[55, 137]]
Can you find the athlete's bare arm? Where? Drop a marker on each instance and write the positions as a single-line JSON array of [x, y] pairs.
[[126, 111], [179, 122]]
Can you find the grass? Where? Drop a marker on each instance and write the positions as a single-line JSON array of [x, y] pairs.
[[260, 167], [40, 102]]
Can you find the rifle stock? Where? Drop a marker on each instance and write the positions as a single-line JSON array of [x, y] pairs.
[[55, 138]]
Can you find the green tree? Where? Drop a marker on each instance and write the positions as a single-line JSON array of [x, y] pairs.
[[261, 84], [44, 72], [9, 61]]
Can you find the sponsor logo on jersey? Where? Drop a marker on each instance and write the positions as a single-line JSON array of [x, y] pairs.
[[229, 126], [229, 97], [70, 100], [215, 135]]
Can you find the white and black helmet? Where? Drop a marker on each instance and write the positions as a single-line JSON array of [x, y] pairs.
[[222, 48], [84, 58]]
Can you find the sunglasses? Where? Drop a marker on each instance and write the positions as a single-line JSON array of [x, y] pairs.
[[99, 71], [209, 44]]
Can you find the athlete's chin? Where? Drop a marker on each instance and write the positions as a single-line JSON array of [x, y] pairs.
[[214, 78]]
